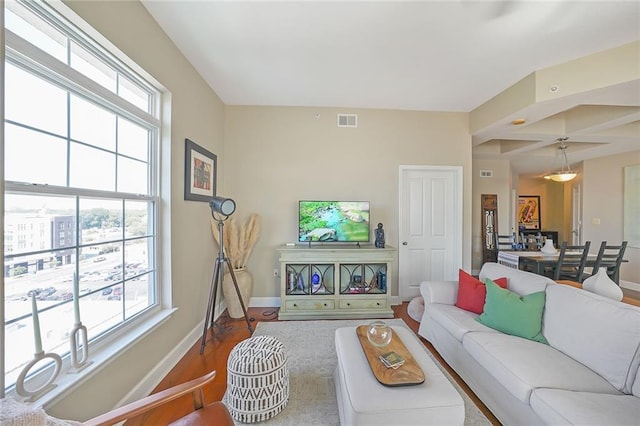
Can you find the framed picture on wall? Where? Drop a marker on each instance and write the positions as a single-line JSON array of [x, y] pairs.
[[199, 173], [529, 212]]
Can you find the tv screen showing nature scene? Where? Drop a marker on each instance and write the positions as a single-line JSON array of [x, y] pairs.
[[333, 221]]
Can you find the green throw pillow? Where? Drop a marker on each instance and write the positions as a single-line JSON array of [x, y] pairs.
[[513, 314]]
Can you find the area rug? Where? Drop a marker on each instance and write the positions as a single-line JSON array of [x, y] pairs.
[[310, 346]]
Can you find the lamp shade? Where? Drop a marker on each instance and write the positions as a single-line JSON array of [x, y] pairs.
[[223, 206], [565, 174], [561, 176]]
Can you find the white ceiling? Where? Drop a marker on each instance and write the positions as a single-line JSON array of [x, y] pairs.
[[451, 55]]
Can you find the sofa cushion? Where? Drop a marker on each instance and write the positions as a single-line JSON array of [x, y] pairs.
[[520, 282], [439, 292], [472, 292], [513, 314], [557, 406], [456, 321], [415, 308], [600, 333], [521, 365]]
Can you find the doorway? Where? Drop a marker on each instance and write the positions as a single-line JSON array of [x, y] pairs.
[[430, 228]]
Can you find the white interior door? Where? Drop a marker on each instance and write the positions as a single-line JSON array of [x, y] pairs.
[[430, 227]]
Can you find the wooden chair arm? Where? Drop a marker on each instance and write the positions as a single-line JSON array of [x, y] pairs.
[[155, 400]]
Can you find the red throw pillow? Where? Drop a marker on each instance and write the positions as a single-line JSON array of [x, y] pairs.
[[472, 292]]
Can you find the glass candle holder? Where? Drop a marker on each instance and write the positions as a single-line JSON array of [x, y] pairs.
[[379, 333]]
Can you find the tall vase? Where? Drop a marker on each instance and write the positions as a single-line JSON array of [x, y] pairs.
[[245, 285], [548, 247]]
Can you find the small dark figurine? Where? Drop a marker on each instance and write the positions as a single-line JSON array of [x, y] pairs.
[[379, 236]]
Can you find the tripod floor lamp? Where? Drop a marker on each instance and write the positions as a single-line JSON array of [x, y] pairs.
[[221, 209]]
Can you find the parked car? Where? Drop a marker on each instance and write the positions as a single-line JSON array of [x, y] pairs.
[[46, 293], [35, 291]]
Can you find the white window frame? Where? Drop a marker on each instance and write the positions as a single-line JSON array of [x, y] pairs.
[[102, 349]]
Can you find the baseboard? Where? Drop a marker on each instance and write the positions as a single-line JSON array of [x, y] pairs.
[[630, 285], [162, 369], [266, 302]]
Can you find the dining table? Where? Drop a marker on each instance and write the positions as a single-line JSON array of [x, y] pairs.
[[534, 260]]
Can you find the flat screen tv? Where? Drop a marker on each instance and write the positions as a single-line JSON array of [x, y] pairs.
[[333, 221]]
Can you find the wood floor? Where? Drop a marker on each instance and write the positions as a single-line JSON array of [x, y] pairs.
[[222, 338], [634, 294]]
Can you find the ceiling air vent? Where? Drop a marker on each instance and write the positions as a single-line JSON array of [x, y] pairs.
[[486, 173], [347, 120]]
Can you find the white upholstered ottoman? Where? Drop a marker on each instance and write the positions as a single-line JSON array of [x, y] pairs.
[[362, 400], [257, 379]]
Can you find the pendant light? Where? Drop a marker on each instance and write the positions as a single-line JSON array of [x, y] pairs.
[[565, 174]]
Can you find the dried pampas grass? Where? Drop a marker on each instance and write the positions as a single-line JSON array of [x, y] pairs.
[[238, 240]]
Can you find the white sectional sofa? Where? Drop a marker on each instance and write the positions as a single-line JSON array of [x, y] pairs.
[[587, 374]]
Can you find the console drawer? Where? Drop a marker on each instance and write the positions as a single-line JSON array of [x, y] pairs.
[[309, 304], [363, 303]]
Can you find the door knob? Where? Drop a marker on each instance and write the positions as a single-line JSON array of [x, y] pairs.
[[404, 243]]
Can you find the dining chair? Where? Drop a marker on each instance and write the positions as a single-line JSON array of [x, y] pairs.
[[610, 257], [524, 240], [531, 241], [503, 242], [571, 262]]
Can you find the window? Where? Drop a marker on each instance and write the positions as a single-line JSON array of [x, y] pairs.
[[81, 164]]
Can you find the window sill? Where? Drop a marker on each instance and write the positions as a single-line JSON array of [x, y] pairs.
[[101, 354]]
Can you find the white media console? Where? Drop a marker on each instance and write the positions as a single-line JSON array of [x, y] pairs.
[[335, 281]]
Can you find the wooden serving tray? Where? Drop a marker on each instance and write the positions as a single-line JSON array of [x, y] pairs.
[[407, 374]]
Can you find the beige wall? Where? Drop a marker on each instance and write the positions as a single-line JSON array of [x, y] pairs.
[[196, 113], [268, 159], [552, 204], [271, 158], [275, 156], [603, 200]]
